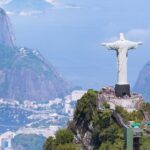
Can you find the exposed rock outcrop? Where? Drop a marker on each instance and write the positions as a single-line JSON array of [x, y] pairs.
[[6, 32], [132, 103]]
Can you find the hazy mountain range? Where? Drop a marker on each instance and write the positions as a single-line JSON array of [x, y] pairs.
[[24, 73]]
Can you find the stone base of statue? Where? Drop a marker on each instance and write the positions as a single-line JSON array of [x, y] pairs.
[[130, 103], [122, 90]]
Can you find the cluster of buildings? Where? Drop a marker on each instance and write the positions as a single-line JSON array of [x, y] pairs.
[[66, 103], [46, 118]]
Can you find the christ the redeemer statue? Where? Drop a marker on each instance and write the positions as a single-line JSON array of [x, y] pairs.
[[121, 47]]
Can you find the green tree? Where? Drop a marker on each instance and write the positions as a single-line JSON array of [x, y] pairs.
[[106, 146], [64, 136], [86, 106], [50, 144], [64, 139], [109, 146], [106, 105], [145, 143], [136, 116], [67, 147]]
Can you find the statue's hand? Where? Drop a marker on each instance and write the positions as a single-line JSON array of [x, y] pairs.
[[103, 44], [140, 43]]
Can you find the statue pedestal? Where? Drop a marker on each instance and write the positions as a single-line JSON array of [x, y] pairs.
[[122, 90], [130, 103]]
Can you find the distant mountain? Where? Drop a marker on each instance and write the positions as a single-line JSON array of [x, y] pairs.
[[143, 82], [24, 73], [27, 5], [7, 36]]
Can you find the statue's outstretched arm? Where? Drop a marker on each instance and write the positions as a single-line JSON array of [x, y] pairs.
[[134, 45], [110, 46]]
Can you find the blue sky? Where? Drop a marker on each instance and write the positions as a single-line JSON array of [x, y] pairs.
[[69, 36]]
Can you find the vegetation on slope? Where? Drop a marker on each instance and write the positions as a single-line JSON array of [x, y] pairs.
[[63, 141], [103, 128], [105, 133]]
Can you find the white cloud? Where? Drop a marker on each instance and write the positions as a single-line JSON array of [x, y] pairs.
[[57, 4], [53, 2], [4, 2], [72, 6], [134, 34], [30, 13], [139, 34], [9, 13]]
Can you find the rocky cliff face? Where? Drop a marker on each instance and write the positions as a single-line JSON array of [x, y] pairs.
[[6, 34], [143, 82], [24, 73]]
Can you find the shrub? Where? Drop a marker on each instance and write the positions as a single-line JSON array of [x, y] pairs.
[[64, 136], [49, 144], [67, 147]]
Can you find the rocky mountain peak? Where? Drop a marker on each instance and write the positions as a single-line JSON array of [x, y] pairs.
[[6, 32], [24, 73]]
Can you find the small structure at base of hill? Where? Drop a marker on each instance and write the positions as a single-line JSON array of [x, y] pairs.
[[6, 141], [129, 103]]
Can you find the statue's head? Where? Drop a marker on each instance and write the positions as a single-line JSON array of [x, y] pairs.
[[122, 37]]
